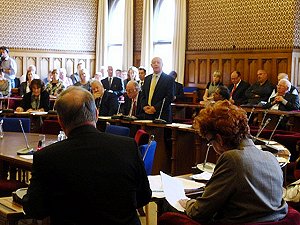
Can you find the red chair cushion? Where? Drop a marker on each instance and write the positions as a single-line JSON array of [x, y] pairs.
[[9, 186], [141, 137]]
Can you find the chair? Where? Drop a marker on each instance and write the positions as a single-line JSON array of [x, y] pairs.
[[13, 124], [148, 152], [117, 130], [173, 218], [51, 127], [141, 137]]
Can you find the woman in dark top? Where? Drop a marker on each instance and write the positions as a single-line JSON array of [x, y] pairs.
[[35, 100], [25, 86]]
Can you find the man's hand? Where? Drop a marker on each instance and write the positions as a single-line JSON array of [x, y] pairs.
[[149, 109]]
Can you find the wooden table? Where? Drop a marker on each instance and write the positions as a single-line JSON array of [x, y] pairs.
[[10, 144], [10, 212]]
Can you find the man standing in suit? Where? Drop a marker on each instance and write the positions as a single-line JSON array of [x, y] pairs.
[[237, 89], [89, 178], [132, 104], [8, 66], [106, 102], [178, 91], [113, 84], [142, 75], [75, 76], [158, 88]]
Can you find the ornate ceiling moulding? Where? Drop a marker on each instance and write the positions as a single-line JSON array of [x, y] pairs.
[[53, 51]]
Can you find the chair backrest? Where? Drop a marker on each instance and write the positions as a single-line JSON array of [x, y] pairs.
[[148, 152], [117, 130], [13, 124], [141, 137], [173, 218], [51, 127]]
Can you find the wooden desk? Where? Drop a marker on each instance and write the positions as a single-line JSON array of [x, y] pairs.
[[10, 212], [10, 144]]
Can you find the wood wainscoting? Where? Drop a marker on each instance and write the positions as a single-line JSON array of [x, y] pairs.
[[199, 66], [48, 60]]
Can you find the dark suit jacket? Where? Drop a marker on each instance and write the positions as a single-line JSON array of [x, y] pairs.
[[292, 103], [262, 91], [127, 105], [44, 101], [238, 95], [75, 78], [179, 94], [109, 104], [116, 85], [163, 89], [89, 178]]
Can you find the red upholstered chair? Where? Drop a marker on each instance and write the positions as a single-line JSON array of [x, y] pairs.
[[9, 186], [141, 137], [171, 218], [51, 127]]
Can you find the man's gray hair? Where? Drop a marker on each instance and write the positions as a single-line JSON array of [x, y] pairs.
[[75, 106]]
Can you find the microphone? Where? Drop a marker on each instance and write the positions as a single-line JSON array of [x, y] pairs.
[[159, 120], [207, 166], [118, 115], [151, 138], [130, 117], [280, 118], [28, 150], [263, 119], [257, 141], [252, 110], [7, 110]]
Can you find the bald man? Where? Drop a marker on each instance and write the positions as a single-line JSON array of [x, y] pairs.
[[261, 90], [157, 87], [132, 103], [89, 178], [237, 89]]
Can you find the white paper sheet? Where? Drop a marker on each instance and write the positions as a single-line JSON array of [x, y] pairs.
[[26, 156], [174, 190], [202, 176], [156, 186]]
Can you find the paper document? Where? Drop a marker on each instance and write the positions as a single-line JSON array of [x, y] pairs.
[[156, 186], [174, 191]]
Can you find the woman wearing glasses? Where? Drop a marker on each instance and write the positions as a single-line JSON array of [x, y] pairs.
[[246, 185]]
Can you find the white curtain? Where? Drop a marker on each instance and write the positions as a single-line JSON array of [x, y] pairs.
[[147, 40], [101, 38], [128, 35], [179, 39]]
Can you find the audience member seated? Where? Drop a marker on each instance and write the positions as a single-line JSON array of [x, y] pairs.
[[106, 102], [293, 89], [32, 69], [55, 87], [48, 79], [75, 76], [35, 100], [246, 185], [66, 81], [179, 94], [5, 86], [84, 82], [132, 103], [131, 75], [283, 100], [25, 86], [261, 90], [237, 89], [211, 87]]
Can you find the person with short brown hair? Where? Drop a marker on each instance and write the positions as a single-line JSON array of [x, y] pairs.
[[247, 183]]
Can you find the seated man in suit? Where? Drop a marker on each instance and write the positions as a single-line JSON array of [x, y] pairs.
[[158, 88], [178, 91], [113, 84], [261, 90], [89, 178], [238, 88], [106, 102], [132, 104], [283, 100]]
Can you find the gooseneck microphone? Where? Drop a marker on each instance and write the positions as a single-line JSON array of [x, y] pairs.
[[252, 110], [280, 118], [159, 120], [28, 150], [118, 115], [263, 127], [151, 138], [263, 119], [206, 166]]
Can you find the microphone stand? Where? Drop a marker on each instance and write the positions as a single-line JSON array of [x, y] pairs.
[[257, 141], [280, 118], [206, 166], [263, 119], [28, 150], [118, 115], [252, 110], [159, 120], [151, 138]]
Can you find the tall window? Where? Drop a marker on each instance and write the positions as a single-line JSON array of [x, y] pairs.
[[115, 33], [163, 31]]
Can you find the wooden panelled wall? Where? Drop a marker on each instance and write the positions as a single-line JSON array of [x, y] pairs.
[[199, 66], [46, 61]]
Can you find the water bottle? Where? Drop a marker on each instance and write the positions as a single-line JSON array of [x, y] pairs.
[[61, 136]]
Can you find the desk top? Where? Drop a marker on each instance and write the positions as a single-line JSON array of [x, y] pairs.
[[14, 141], [10, 209]]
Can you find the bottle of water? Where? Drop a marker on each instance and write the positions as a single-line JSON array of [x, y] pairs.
[[61, 136]]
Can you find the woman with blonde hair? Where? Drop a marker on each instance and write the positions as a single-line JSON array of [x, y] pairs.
[[212, 86]]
